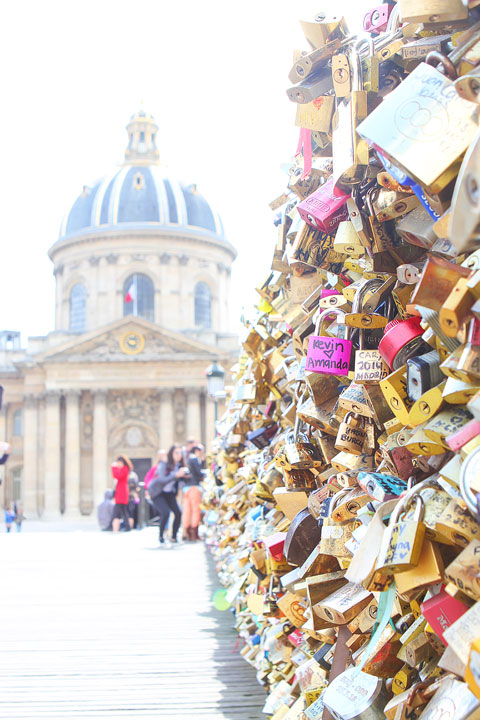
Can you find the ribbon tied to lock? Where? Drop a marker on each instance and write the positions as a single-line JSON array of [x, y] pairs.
[[305, 147]]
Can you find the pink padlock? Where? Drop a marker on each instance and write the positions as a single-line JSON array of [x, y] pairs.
[[328, 355], [377, 19], [325, 208], [327, 292], [458, 439]]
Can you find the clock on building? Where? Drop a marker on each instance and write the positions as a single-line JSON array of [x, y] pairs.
[[132, 343]]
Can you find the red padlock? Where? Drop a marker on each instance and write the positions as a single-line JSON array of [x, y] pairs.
[[441, 611], [274, 545], [401, 340]]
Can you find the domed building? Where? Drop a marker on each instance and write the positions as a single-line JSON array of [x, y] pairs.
[[142, 272]]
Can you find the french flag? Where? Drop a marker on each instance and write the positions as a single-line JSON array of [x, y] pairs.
[[131, 294]]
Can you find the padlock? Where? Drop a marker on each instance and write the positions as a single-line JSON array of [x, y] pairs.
[[350, 153], [419, 49], [402, 540], [349, 505], [341, 76], [351, 434], [317, 115], [394, 389], [402, 340], [325, 208], [307, 63], [432, 11], [347, 241], [428, 154], [328, 355], [376, 20], [342, 605], [390, 204], [423, 373], [298, 453], [306, 91], [323, 28], [369, 365], [381, 487]]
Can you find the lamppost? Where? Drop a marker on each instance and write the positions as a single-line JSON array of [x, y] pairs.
[[215, 375]]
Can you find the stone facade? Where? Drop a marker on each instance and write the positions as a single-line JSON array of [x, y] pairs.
[[124, 383]]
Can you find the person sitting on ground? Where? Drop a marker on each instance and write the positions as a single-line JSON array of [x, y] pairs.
[[192, 494], [105, 511], [163, 489], [120, 470]]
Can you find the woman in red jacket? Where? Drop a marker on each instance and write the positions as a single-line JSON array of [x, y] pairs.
[[120, 470]]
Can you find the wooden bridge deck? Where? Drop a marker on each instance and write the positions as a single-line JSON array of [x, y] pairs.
[[94, 625]]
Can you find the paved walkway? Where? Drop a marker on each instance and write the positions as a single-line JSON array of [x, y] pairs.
[[94, 625]]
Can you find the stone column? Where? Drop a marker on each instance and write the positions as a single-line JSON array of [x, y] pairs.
[[30, 456], [166, 419], [72, 452], [52, 454], [100, 446], [193, 413]]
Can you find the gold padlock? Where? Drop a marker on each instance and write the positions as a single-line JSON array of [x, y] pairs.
[[402, 540], [351, 434]]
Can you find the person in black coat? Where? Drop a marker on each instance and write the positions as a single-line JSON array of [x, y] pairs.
[[163, 490]]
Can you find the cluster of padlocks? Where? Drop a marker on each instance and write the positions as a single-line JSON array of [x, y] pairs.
[[345, 515]]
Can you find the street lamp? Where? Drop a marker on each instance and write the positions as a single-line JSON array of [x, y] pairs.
[[215, 375]]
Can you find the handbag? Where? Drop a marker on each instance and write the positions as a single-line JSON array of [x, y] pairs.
[[155, 487]]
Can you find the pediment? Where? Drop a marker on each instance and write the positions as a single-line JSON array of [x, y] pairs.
[[126, 340]]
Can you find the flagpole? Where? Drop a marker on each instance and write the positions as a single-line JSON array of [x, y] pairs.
[[135, 298]]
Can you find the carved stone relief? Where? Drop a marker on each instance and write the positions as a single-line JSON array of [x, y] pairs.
[[179, 415], [86, 421], [134, 405]]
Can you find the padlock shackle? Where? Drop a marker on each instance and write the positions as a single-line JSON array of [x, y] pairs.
[[325, 313], [336, 499], [465, 483]]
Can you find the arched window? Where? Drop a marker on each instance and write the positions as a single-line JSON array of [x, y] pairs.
[[78, 308], [18, 422], [138, 296], [203, 305]]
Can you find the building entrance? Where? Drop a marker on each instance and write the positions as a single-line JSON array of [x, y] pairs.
[[141, 467]]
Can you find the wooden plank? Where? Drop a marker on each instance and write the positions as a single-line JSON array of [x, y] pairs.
[[96, 625]]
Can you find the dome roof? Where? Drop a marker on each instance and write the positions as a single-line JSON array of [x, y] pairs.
[[139, 195]]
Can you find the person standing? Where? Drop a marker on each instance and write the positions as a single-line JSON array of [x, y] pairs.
[[187, 449], [19, 516], [9, 517], [120, 470], [192, 493], [163, 489]]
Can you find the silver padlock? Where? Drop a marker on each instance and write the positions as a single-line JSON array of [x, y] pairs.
[[354, 695], [423, 373]]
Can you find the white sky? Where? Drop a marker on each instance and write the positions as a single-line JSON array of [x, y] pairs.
[[214, 75]]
